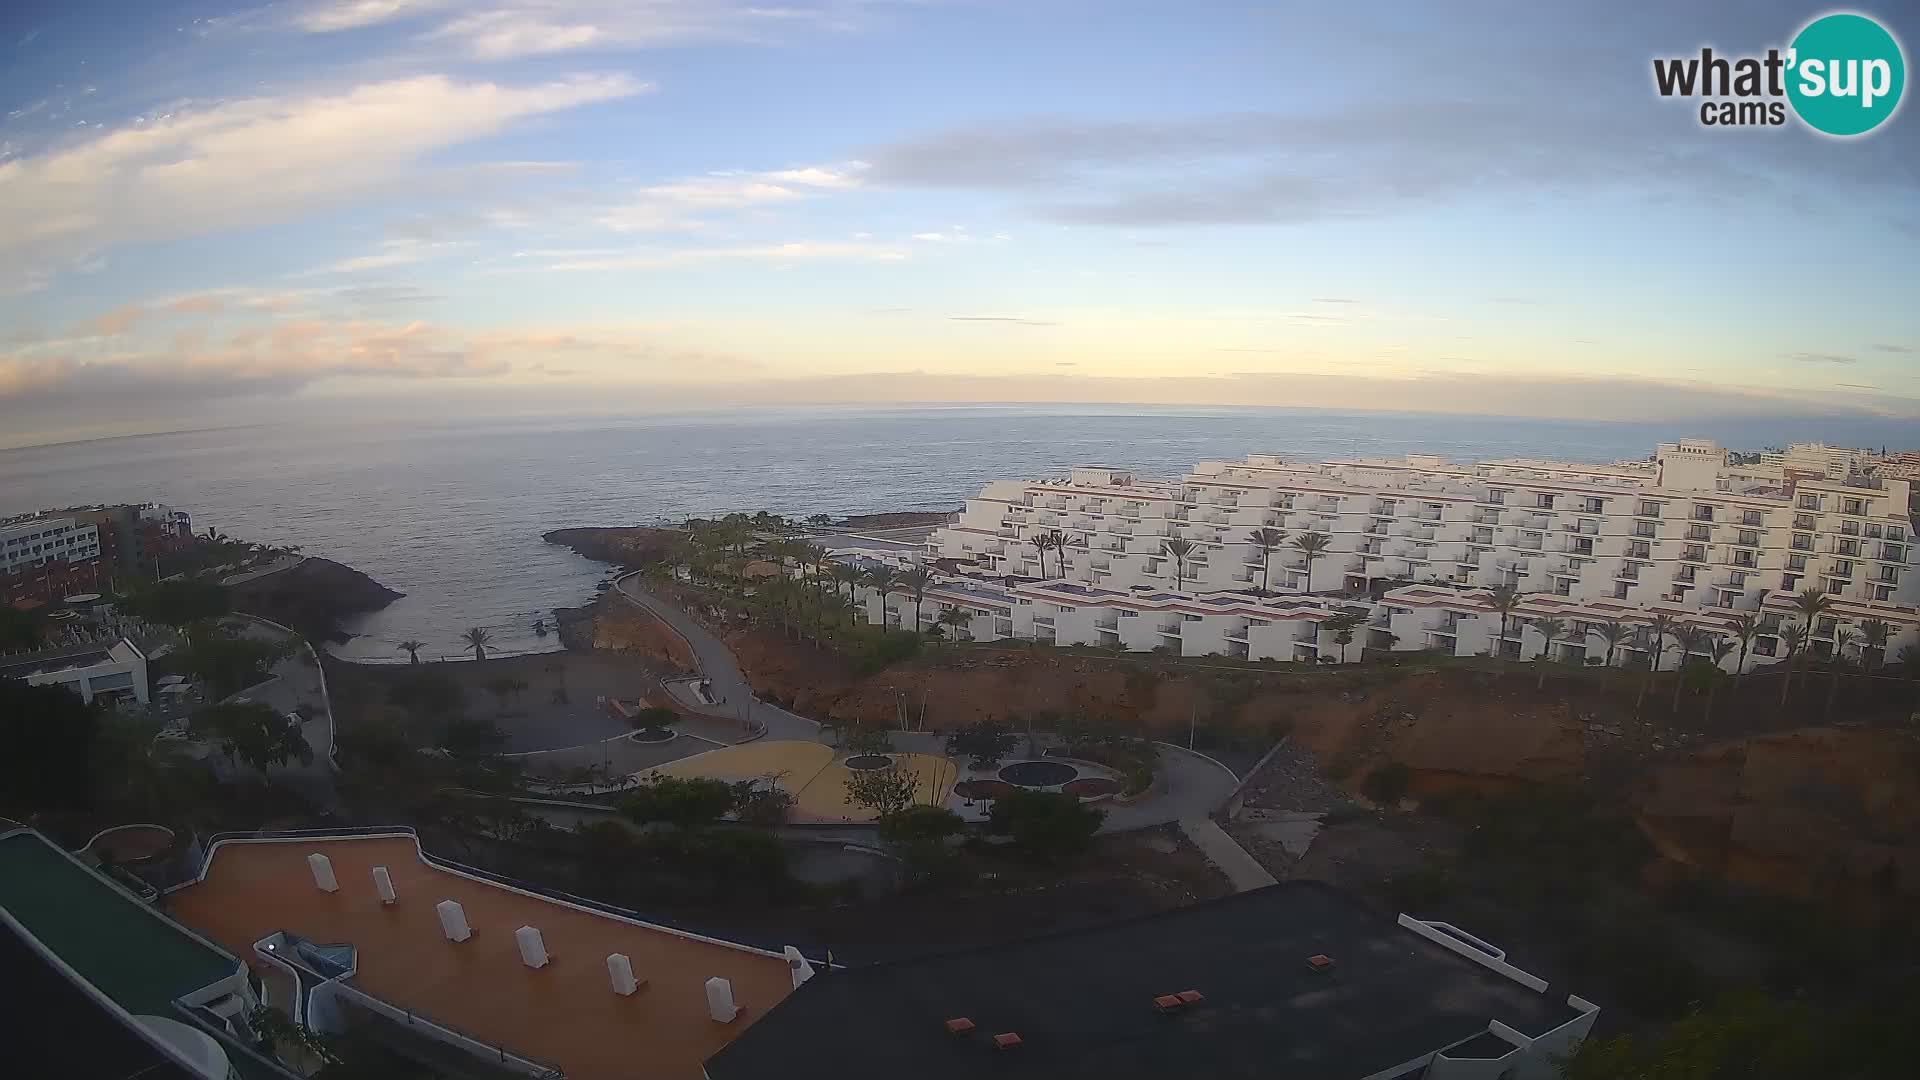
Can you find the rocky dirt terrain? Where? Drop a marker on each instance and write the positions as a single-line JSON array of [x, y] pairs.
[[312, 597]]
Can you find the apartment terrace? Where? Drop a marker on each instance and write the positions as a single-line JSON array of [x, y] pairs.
[[564, 1013]]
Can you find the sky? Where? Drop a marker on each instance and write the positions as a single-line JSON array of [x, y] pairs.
[[223, 212]]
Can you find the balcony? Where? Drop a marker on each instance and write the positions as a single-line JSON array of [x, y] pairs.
[[1535, 523], [1043, 620], [1628, 572], [1171, 630], [1703, 513], [1427, 515]]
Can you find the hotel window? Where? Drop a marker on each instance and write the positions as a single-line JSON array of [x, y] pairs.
[[1644, 528], [1620, 590], [1843, 568], [1895, 532], [1850, 528], [1853, 506], [1826, 626], [1882, 592], [1748, 538], [1809, 502], [1638, 549], [1849, 547], [1743, 558], [1649, 509], [1802, 542], [1789, 582], [1796, 562], [1873, 532], [1750, 517], [1684, 573], [1737, 580], [1835, 586], [1593, 506], [1803, 521], [1496, 497], [1702, 512], [1543, 502], [1889, 573]]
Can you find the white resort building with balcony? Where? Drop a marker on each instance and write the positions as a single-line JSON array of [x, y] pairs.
[[1412, 549]]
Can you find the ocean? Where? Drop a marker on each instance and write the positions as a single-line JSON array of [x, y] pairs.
[[451, 513]]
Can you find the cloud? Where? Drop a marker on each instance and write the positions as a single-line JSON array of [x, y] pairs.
[[1011, 319], [1883, 347], [392, 252], [1359, 159], [503, 29], [684, 204], [112, 323], [799, 251], [1333, 300], [257, 160], [1823, 358]]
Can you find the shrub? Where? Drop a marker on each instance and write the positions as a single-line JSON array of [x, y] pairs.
[[884, 791], [761, 805], [984, 743], [869, 740], [654, 718], [1046, 825], [683, 802], [887, 648]]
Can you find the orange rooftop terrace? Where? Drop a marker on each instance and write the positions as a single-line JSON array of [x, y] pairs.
[[565, 1013]]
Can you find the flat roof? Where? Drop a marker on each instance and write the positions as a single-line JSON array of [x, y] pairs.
[[1083, 1002], [52, 1027], [564, 1014], [131, 953]]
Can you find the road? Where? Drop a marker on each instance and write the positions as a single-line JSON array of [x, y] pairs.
[[718, 665]]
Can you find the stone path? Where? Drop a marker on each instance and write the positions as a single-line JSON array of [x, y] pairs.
[[1242, 869]]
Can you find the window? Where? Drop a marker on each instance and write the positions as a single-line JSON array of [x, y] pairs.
[[1809, 502], [1684, 573], [1803, 521], [1796, 562], [1593, 506], [1737, 580], [1888, 573], [1743, 558], [1496, 497], [1826, 626], [1789, 582], [1620, 590], [1750, 517], [1873, 532], [1853, 506], [1850, 528], [1895, 532], [1843, 568], [1649, 509], [1543, 502], [1643, 528], [1882, 592], [1748, 538], [1638, 549], [1697, 532], [1702, 512], [1802, 542]]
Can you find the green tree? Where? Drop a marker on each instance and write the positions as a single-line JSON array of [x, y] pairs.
[[18, 630], [1504, 599], [412, 649], [1659, 628], [1873, 642], [956, 620], [762, 803], [1613, 633], [1267, 540], [1041, 542], [1343, 625], [1312, 545], [229, 663], [870, 739], [884, 791], [1810, 604], [254, 734], [1045, 825], [1843, 639], [1691, 639], [983, 743], [1794, 637], [915, 582], [919, 835], [48, 734], [1178, 550], [1553, 630], [176, 602], [505, 687], [1745, 628], [477, 638], [1751, 1036], [683, 802], [882, 580], [654, 719]]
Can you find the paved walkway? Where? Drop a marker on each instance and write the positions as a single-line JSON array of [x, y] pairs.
[[717, 664], [296, 681], [1242, 869]]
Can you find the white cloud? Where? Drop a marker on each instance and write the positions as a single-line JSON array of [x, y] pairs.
[[681, 204], [799, 251], [257, 160], [503, 29]]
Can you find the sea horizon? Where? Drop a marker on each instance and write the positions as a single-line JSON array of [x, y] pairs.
[[452, 512]]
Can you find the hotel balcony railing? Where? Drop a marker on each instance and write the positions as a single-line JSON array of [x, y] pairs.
[[1043, 620], [1170, 629]]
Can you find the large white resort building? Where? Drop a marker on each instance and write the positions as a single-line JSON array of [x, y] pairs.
[[1415, 545]]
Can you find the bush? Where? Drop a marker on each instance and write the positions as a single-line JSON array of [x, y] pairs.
[[683, 802], [176, 603], [654, 718], [869, 740], [1045, 825], [229, 664], [887, 648], [1387, 784], [984, 744], [763, 806]]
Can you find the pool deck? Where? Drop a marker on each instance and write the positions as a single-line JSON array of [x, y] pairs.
[[564, 1013]]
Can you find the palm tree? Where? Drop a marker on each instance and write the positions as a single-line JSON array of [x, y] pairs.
[[955, 620], [882, 580], [1312, 545], [1041, 542], [1745, 629], [412, 649], [1793, 636], [845, 575], [1266, 540], [1058, 541], [1873, 642], [477, 639], [1504, 599], [1177, 550], [1658, 628], [1615, 634], [1842, 639], [1719, 648], [1691, 639], [1554, 629], [1343, 626], [915, 582], [1809, 604]]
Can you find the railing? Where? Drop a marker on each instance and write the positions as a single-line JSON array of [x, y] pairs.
[[442, 1032]]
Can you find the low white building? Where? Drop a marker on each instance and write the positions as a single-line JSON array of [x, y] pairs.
[[29, 542], [119, 668]]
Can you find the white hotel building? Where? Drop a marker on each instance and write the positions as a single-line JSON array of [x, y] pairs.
[[27, 543], [1686, 534]]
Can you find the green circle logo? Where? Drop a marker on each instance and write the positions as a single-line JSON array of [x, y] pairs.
[[1845, 73]]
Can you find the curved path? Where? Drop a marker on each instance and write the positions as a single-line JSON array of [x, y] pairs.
[[717, 664]]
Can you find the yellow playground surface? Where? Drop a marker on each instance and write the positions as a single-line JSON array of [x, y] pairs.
[[809, 770]]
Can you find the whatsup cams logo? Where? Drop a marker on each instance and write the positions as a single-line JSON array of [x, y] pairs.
[[1842, 75]]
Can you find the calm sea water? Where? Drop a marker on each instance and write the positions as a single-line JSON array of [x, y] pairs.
[[451, 513]]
